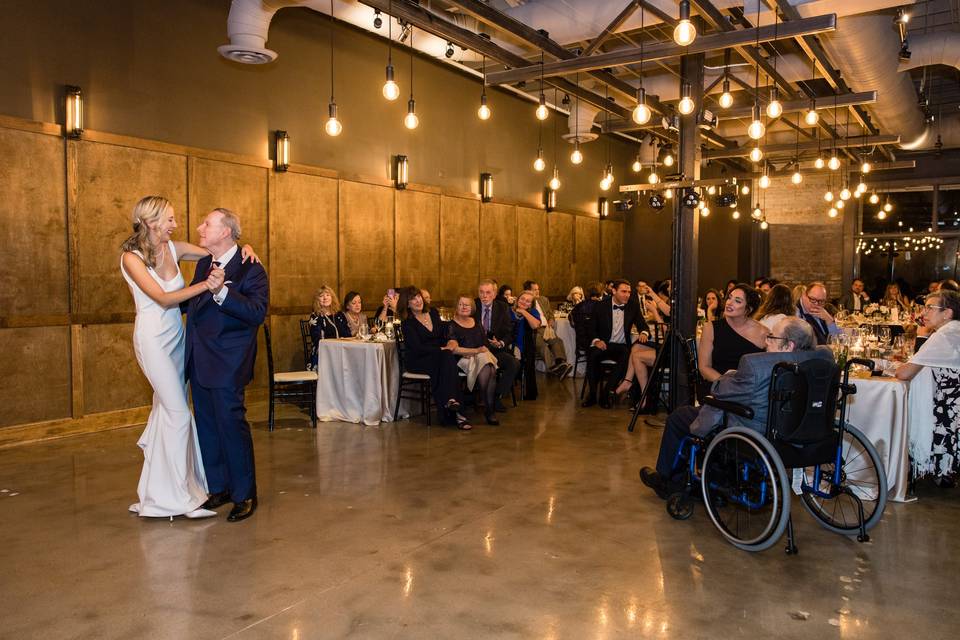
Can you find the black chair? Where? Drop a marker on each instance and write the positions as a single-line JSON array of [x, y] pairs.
[[307, 340], [298, 388], [412, 386]]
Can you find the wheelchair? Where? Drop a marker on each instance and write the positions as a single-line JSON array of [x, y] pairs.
[[741, 475]]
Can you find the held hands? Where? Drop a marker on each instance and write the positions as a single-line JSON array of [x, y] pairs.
[[214, 280], [600, 344], [248, 253], [482, 350]]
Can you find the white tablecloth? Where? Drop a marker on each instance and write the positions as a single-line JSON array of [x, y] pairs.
[[357, 381], [881, 410], [566, 333]]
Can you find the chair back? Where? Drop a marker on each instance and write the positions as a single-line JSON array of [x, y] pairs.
[[803, 402], [401, 346], [307, 340], [269, 343], [582, 316]]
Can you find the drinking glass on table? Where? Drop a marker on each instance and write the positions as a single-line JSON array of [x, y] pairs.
[[883, 335], [363, 331]]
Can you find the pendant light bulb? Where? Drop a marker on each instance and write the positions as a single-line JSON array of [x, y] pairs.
[[832, 212], [865, 167], [764, 225], [705, 212], [774, 107], [796, 178], [668, 194], [845, 194], [653, 177], [881, 215], [735, 214], [542, 111], [756, 128], [811, 117], [411, 121], [641, 112], [668, 160], [333, 127], [637, 165], [684, 33], [711, 190], [539, 164], [726, 98], [840, 204], [862, 187], [605, 183], [888, 207], [757, 213], [686, 105], [555, 180], [833, 163], [818, 163], [828, 196], [484, 111], [764, 181], [391, 91], [745, 189], [874, 198], [756, 155]]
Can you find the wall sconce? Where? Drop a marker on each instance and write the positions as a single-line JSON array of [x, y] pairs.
[[74, 112], [281, 160], [603, 207], [486, 187], [401, 172], [549, 198]]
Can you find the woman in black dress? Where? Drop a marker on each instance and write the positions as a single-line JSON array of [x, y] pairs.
[[428, 349], [732, 336], [526, 322], [327, 322], [475, 359]]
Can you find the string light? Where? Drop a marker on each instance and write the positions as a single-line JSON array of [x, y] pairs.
[[390, 89]]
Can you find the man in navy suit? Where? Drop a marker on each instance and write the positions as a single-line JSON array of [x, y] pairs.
[[221, 348]]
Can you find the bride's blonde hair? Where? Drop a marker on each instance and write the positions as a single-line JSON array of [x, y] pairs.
[[145, 213]]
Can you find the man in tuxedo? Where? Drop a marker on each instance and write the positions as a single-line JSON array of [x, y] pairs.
[[810, 307], [494, 317], [855, 299], [221, 346], [792, 340], [610, 339]]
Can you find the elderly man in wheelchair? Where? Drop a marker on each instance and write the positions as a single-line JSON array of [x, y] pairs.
[[777, 411]]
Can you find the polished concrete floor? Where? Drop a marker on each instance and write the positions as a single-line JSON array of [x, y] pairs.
[[537, 529]]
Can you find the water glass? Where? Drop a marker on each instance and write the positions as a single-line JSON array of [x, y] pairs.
[[883, 335]]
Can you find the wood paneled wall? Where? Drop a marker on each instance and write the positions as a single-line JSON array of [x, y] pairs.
[[66, 315]]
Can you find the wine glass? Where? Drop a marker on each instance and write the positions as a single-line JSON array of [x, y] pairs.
[[883, 335]]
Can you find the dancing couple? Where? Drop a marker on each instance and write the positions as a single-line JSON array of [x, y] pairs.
[[191, 467]]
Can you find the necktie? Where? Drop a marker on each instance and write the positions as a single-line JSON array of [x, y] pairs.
[[486, 319], [214, 264]]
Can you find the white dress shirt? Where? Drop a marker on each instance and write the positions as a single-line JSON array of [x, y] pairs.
[[616, 333], [224, 260]]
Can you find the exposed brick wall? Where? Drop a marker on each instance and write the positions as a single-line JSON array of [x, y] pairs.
[[805, 243]]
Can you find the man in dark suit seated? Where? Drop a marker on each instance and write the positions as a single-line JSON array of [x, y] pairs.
[[494, 316], [855, 299], [812, 308], [792, 340], [610, 339]]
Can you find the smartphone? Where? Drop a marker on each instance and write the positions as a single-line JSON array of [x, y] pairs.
[[391, 292]]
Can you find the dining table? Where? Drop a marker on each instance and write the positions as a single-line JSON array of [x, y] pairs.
[[357, 381]]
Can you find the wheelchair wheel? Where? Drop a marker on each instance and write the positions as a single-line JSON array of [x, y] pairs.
[[863, 474], [746, 490], [680, 505]]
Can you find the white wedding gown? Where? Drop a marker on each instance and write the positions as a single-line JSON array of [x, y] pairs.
[[172, 482]]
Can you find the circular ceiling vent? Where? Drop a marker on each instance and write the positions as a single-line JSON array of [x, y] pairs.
[[584, 136], [247, 55]]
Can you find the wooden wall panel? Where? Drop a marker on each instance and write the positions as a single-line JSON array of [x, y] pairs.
[[240, 188], [459, 247], [418, 239], [287, 344], [111, 179], [366, 239], [498, 243], [560, 266], [533, 251], [303, 238], [33, 280], [611, 249], [112, 379], [588, 249], [34, 374]]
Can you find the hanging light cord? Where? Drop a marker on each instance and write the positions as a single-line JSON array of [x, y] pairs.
[[411, 62], [331, 51], [390, 33]]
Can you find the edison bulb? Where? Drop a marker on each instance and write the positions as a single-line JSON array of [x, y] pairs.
[[636, 166], [764, 225], [756, 155], [774, 109], [833, 212], [756, 130], [391, 91], [811, 117], [711, 189], [833, 163], [668, 160], [333, 127], [539, 164], [654, 178], [642, 113], [818, 163], [845, 194], [764, 181], [686, 105], [736, 214], [542, 111], [705, 212], [888, 207], [702, 205], [483, 112], [857, 193], [757, 213], [745, 190], [881, 215], [577, 156], [668, 193], [684, 33], [605, 182], [840, 204], [796, 178], [554, 183], [865, 167], [726, 100], [828, 196], [874, 198]]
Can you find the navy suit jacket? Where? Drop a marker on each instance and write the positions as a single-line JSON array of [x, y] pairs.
[[222, 339]]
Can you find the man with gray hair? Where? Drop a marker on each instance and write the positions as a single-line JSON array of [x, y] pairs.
[[792, 340]]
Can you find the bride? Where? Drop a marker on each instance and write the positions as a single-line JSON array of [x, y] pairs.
[[172, 482]]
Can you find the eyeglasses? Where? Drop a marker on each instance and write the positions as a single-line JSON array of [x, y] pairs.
[[933, 306], [817, 301], [773, 337]]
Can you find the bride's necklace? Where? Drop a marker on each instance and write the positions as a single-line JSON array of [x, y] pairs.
[[163, 256]]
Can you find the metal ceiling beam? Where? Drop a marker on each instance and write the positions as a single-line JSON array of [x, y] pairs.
[[611, 28], [663, 50], [793, 106], [791, 148]]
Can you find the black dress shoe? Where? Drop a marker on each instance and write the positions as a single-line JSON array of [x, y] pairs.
[[242, 510], [215, 500], [491, 419], [589, 402]]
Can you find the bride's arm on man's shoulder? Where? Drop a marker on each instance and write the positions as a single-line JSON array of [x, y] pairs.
[[191, 252], [137, 270]]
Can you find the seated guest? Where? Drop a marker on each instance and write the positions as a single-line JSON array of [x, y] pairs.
[[608, 288], [726, 340], [855, 299], [353, 313], [748, 384], [326, 321], [582, 315], [766, 285], [387, 310], [613, 318], [711, 305], [494, 318], [429, 350], [757, 282], [575, 296], [549, 346], [658, 307], [811, 308], [948, 285], [526, 322], [776, 306], [730, 285], [505, 293], [797, 292], [426, 297], [476, 361], [935, 371], [892, 298]]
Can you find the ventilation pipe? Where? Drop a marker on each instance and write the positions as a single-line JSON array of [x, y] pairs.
[[580, 122]]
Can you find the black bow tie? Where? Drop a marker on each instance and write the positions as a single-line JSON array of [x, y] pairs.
[[621, 307]]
